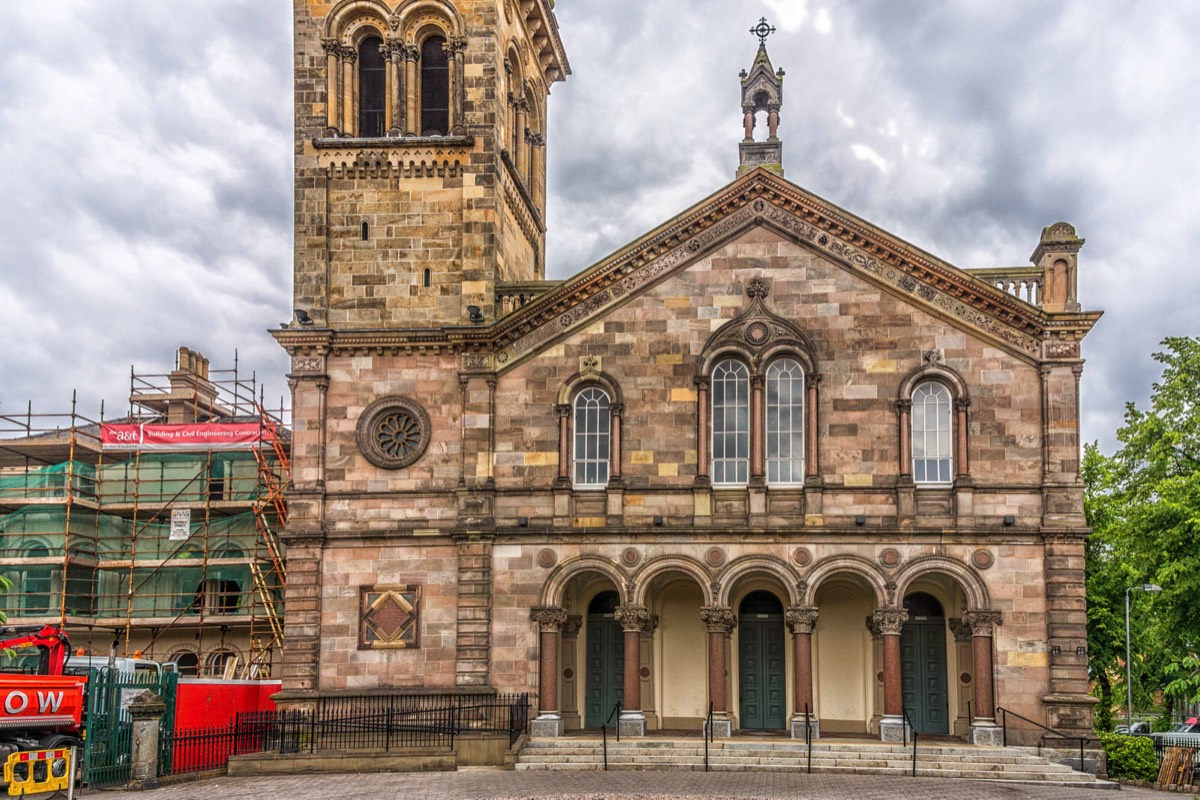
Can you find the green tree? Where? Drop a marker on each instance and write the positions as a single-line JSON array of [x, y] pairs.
[[1143, 504]]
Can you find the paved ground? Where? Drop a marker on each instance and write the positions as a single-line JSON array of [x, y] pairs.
[[471, 784]]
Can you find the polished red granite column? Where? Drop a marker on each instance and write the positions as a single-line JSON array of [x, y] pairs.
[[720, 622], [801, 620]]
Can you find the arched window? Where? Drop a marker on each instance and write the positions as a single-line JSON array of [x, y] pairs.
[[731, 423], [593, 427], [435, 87], [785, 422], [932, 434], [372, 88]]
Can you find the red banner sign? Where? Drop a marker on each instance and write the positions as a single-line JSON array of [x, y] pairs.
[[38, 701], [211, 436]]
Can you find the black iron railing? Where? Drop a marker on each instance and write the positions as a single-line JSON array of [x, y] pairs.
[[908, 725], [708, 734], [380, 723], [808, 737], [1004, 715], [604, 730]]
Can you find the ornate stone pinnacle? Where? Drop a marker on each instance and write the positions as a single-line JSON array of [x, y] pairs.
[[757, 289], [718, 619]]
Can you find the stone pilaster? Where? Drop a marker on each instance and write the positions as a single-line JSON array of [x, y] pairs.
[[474, 612]]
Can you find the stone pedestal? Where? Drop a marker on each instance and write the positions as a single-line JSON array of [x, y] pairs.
[[987, 733], [146, 710], [722, 726], [546, 725], [891, 729], [632, 723], [814, 725]]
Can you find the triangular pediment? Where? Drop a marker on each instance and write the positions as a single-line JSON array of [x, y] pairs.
[[762, 199]]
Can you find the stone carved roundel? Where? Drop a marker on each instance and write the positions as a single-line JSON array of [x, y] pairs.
[[393, 432]]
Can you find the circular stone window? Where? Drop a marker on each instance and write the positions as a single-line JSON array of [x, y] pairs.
[[393, 432]]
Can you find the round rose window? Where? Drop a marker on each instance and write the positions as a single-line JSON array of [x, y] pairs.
[[393, 432]]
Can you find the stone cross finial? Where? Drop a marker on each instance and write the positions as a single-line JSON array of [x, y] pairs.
[[762, 30]]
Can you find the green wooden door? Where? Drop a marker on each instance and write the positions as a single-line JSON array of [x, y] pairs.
[[605, 660], [761, 663], [923, 667]]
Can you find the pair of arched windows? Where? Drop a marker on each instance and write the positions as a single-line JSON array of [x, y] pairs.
[[736, 438], [432, 93]]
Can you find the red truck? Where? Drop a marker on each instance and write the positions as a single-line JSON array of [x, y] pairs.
[[40, 707]]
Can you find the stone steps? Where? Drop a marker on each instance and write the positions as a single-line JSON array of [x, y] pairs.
[[1014, 764]]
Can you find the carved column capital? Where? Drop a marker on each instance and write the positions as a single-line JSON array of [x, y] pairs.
[[349, 54], [904, 406], [563, 410], [962, 403], [456, 44], [982, 621], [548, 618], [572, 626], [412, 53], [332, 47], [633, 619], [718, 619], [889, 621], [801, 619], [812, 381], [395, 49], [961, 632]]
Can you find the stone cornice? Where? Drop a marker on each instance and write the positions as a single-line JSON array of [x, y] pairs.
[[757, 198]]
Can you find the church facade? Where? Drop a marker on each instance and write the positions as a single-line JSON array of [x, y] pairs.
[[768, 460]]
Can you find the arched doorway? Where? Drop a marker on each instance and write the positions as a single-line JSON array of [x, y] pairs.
[[605, 659], [923, 663], [761, 663]]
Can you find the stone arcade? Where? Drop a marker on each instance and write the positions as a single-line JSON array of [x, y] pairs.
[[768, 457]]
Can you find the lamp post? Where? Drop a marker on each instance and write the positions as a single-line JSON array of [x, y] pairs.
[[1145, 587]]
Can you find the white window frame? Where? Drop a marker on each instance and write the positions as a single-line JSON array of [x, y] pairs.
[[735, 375], [783, 428], [932, 434], [591, 423]]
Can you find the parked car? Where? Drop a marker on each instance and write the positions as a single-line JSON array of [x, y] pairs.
[[1183, 734]]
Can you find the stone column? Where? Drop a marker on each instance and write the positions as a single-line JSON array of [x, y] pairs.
[[748, 122], [812, 452], [397, 101], [982, 623], [720, 621], [633, 620], [801, 620], [617, 411], [564, 445], [647, 672], [349, 123], [457, 47], [773, 122], [889, 622], [145, 710], [521, 159], [333, 70], [569, 655], [550, 620], [757, 467], [702, 431], [411, 56], [906, 499], [961, 451]]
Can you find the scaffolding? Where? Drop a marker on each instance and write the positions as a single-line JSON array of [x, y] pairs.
[[168, 547]]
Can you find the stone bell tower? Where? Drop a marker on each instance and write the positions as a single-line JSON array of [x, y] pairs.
[[420, 157], [762, 91]]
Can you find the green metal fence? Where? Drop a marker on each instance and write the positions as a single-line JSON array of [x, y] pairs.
[[108, 747]]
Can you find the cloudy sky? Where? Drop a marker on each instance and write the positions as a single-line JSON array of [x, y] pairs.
[[146, 151]]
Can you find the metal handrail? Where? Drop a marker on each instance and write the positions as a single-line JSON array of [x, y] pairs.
[[1004, 712], [908, 723], [604, 730], [808, 737], [708, 734]]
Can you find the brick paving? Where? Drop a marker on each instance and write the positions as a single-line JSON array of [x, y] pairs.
[[505, 785]]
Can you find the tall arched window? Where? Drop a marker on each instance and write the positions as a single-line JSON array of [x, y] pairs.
[[435, 87], [785, 422], [932, 434], [372, 87], [593, 427], [731, 423]]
